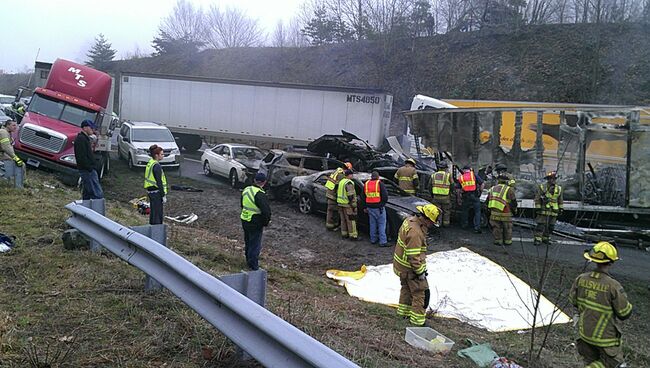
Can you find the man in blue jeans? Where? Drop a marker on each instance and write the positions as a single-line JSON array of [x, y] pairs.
[[471, 186], [376, 198], [83, 153]]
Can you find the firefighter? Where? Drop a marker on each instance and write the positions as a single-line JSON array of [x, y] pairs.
[[407, 177], [441, 187], [600, 300], [548, 205], [331, 222], [20, 112], [255, 215], [346, 200], [376, 197], [409, 264], [155, 183], [13, 165], [471, 187], [502, 203]]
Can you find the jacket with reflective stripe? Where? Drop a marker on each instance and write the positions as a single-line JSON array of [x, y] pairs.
[[441, 183], [410, 251], [150, 180], [5, 145], [554, 200], [345, 191], [249, 208], [600, 300], [332, 181], [371, 190], [468, 181], [498, 198], [406, 175]]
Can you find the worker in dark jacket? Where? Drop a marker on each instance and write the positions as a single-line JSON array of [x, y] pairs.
[[255, 215], [85, 158], [376, 197], [155, 183]]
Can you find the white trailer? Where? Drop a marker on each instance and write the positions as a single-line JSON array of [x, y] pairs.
[[195, 107]]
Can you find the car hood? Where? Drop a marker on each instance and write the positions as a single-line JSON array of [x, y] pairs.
[[250, 164], [406, 204], [146, 145]]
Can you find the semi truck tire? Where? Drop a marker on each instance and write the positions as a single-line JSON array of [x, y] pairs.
[[189, 142]]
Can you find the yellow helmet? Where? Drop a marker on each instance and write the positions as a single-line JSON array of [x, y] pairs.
[[511, 182], [430, 211], [410, 161], [602, 252]]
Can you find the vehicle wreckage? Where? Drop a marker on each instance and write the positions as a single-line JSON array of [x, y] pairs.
[[600, 153]]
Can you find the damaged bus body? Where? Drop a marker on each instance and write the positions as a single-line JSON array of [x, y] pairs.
[[600, 152]]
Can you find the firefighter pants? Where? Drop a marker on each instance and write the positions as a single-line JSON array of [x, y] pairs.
[[502, 231], [443, 203], [331, 221], [544, 228], [413, 298], [596, 357], [348, 222]]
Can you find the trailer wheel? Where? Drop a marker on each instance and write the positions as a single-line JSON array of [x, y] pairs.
[[192, 143]]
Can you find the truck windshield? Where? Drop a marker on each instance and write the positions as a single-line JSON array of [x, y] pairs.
[[60, 110], [152, 135]]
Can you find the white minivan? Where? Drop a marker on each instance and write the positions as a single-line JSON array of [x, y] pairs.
[[134, 141]]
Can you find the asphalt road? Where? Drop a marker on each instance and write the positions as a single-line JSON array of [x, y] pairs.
[[634, 263]]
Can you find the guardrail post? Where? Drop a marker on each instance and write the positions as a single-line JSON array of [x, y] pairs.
[[159, 234], [99, 206], [252, 285]]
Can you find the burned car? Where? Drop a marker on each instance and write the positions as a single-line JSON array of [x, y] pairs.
[[281, 166], [311, 191]]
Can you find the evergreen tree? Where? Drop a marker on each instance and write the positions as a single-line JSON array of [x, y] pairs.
[[323, 28], [101, 53], [184, 45]]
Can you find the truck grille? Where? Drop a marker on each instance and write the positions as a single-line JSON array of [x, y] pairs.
[[41, 139]]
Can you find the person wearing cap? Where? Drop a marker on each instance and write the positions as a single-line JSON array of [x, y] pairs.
[[255, 215], [407, 177], [502, 203], [346, 199], [13, 165], [601, 301], [376, 197], [331, 222], [409, 264], [471, 186], [85, 158], [155, 183], [548, 205], [441, 188]]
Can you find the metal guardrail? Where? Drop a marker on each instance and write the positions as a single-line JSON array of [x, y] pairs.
[[266, 337]]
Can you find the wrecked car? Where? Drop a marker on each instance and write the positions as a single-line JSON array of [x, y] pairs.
[[311, 192], [237, 162], [282, 166]]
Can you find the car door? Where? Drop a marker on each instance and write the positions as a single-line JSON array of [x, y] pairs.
[[216, 159], [319, 191]]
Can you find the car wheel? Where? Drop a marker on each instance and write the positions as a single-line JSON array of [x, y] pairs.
[[206, 168], [130, 162], [234, 180], [305, 204]]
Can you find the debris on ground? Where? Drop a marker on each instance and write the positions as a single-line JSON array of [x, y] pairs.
[[141, 204], [186, 188], [7, 242], [183, 219], [498, 301], [481, 354]]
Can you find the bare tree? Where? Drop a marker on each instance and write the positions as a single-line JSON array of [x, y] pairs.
[[232, 28], [185, 21], [279, 35]]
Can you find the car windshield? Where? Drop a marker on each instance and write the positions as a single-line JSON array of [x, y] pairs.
[[152, 135], [59, 110], [247, 153]]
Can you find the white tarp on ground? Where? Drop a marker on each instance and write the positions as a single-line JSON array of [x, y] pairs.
[[464, 285]]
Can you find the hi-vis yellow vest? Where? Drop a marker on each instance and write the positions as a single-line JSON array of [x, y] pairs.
[[150, 181], [498, 197], [441, 182], [249, 208]]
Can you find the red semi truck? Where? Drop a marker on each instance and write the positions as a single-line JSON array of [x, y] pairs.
[[72, 93]]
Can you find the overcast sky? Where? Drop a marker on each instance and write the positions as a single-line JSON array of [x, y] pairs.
[[67, 28]]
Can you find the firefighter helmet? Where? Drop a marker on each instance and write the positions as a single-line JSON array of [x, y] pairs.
[[551, 175], [348, 165], [410, 161], [430, 211], [501, 167], [602, 252]]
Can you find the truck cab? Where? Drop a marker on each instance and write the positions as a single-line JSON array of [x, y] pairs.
[[72, 94]]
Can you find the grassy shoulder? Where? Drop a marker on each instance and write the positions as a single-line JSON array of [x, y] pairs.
[[79, 309]]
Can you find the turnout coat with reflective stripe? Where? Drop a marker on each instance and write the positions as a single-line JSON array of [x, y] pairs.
[[411, 249], [600, 300]]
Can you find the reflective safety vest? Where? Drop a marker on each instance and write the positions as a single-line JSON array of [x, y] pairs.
[[333, 179], [342, 193], [498, 197], [371, 189], [249, 208], [150, 181], [468, 181], [441, 182], [552, 207]]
